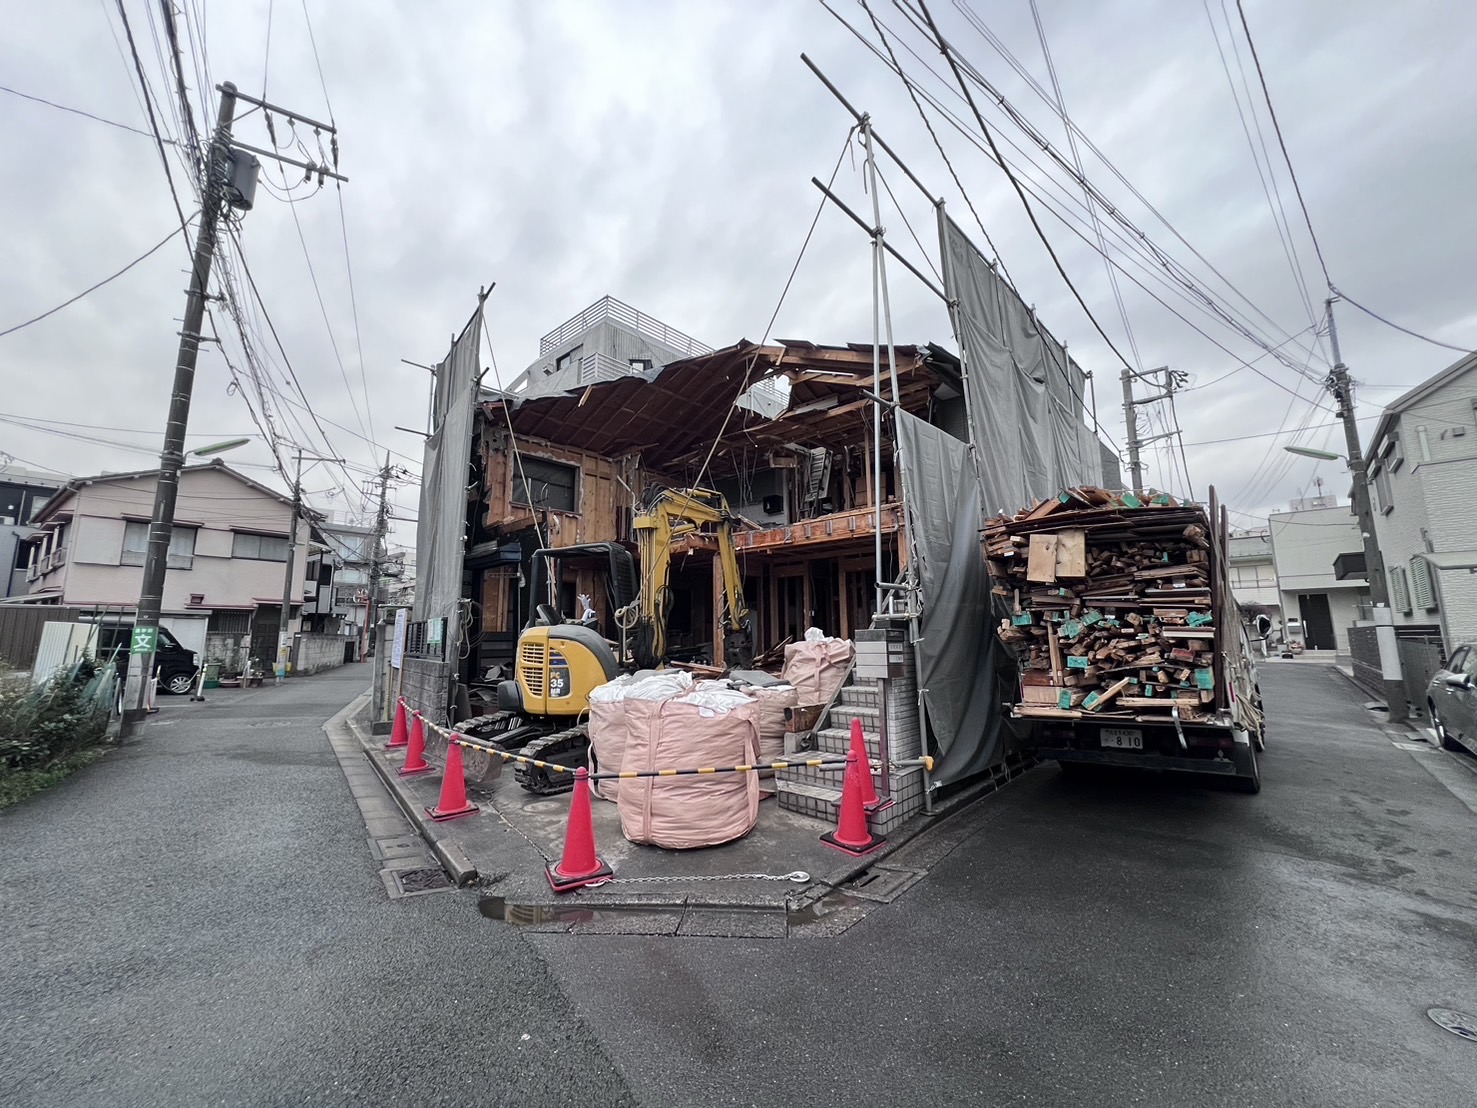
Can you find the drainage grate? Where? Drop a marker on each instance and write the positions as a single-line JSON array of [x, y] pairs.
[[882, 884], [409, 882], [1458, 1023]]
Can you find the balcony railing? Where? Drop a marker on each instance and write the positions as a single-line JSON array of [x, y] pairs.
[[609, 307]]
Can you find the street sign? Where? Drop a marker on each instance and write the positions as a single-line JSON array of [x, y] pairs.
[[397, 648], [435, 631], [145, 640]]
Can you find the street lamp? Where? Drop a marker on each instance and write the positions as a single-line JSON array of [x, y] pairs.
[[218, 447], [1374, 562], [1309, 452]]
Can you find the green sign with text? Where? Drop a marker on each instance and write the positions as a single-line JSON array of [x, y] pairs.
[[145, 640]]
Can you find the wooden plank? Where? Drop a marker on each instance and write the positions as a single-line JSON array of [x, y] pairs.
[[1041, 566], [1056, 653], [1071, 553], [1096, 701]]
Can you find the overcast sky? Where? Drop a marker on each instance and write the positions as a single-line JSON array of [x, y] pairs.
[[662, 153]]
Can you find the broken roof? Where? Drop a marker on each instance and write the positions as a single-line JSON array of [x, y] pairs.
[[676, 414]]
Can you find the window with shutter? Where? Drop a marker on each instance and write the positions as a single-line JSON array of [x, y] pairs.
[[1423, 584], [1399, 589]]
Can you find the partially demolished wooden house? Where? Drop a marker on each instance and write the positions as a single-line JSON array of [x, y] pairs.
[[802, 482]]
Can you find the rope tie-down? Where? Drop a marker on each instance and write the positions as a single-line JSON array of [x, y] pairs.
[[580, 865]]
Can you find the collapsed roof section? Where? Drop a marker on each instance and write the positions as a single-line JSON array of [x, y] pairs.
[[673, 417]]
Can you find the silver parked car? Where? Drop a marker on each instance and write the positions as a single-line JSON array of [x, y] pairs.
[[1451, 698]]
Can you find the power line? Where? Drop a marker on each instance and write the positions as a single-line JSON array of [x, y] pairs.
[[74, 111], [1140, 239], [1010, 176], [1178, 279], [1278, 211], [1097, 225], [153, 121], [1277, 127], [93, 288], [939, 146], [1390, 323]]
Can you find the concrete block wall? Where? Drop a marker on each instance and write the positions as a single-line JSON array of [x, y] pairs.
[[312, 653], [817, 792], [427, 687]]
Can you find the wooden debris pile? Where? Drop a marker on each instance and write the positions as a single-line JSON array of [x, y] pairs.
[[1112, 609]]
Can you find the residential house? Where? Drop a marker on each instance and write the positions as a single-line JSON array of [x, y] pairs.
[[1422, 463], [224, 583], [1318, 556], [1253, 573], [338, 582], [22, 492], [609, 339]]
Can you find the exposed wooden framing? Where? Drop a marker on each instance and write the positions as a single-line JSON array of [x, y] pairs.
[[836, 528]]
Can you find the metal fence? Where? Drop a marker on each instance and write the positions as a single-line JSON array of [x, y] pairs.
[[610, 308], [20, 630], [1422, 653]]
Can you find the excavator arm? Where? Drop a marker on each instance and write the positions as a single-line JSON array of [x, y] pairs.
[[668, 516]]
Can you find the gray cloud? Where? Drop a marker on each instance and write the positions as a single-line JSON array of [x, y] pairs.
[[662, 152]]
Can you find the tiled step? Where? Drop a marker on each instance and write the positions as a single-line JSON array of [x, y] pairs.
[[823, 803]]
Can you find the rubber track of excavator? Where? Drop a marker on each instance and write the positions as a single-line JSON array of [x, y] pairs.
[[566, 748]]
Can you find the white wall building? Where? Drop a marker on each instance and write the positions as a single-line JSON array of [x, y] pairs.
[[1423, 478], [227, 554], [1318, 555]]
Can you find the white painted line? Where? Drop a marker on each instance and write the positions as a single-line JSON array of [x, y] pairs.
[[1411, 746]]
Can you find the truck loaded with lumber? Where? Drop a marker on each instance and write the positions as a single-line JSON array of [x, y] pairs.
[[1129, 643]]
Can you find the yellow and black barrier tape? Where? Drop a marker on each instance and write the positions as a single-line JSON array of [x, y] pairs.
[[834, 762]]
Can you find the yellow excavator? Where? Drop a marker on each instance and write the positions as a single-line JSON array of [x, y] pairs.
[[559, 660]]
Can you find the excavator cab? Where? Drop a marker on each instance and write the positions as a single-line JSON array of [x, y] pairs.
[[561, 658]]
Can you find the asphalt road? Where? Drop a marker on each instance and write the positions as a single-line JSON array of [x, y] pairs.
[[1122, 941], [198, 919]]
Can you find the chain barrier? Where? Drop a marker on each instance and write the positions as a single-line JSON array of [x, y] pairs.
[[833, 763]]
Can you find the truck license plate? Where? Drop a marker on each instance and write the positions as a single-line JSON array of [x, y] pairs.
[[1122, 738]]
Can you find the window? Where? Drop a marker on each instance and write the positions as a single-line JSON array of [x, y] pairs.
[[640, 365], [1392, 452], [1380, 478], [261, 548], [565, 361], [1423, 584], [544, 484], [136, 545], [1399, 589]]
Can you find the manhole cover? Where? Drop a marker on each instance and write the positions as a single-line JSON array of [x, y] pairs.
[[1458, 1023], [411, 881]]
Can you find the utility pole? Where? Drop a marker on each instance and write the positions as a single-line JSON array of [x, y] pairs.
[[1342, 389], [381, 527], [284, 636], [1131, 426], [1172, 380], [145, 639], [230, 178]]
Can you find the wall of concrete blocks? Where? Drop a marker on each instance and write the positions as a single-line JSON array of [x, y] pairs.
[[315, 653], [426, 687]]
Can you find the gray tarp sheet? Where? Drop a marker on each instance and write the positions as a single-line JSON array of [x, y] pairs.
[[1024, 398], [440, 537], [959, 654], [1024, 394]]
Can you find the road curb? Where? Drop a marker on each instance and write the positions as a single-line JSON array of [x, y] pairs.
[[451, 856]]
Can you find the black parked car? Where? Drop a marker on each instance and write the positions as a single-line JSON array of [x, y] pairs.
[[1451, 698], [175, 665]]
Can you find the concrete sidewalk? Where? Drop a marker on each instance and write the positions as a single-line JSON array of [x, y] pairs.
[[753, 886]]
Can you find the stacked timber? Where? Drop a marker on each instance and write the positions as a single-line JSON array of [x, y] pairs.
[[1111, 606]]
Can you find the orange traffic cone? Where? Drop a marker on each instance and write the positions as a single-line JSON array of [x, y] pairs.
[[415, 750], [852, 835], [580, 865], [399, 734], [453, 800], [870, 800]]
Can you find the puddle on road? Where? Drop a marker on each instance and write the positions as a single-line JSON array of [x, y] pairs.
[[796, 917]]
